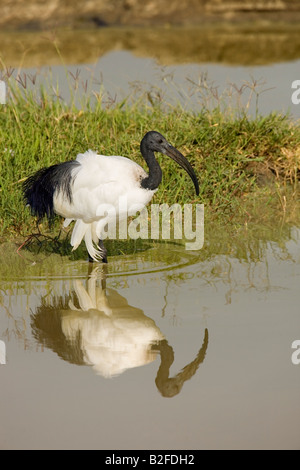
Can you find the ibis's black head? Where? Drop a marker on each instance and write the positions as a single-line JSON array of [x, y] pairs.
[[155, 142]]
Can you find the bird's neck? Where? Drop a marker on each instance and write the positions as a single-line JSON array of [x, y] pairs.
[[154, 177]]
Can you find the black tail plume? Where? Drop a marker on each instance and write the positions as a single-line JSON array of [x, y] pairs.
[[39, 188]]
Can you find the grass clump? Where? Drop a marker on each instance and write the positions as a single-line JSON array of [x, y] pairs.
[[243, 164]]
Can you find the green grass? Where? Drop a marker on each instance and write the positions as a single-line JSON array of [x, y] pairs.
[[246, 166]]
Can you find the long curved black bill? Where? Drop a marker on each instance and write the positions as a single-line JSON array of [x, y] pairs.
[[173, 153]]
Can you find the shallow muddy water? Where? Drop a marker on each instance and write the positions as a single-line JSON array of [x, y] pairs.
[[162, 349], [247, 66]]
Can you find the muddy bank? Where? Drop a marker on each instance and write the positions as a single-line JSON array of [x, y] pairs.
[[36, 14], [235, 45]]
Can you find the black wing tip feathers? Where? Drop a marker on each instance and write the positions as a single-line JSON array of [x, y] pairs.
[[40, 187], [37, 196]]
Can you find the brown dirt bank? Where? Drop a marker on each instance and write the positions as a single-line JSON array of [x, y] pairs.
[[41, 14], [217, 43]]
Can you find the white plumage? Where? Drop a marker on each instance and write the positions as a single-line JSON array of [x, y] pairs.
[[99, 183]]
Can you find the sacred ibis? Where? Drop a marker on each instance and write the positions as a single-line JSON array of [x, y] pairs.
[[82, 189]]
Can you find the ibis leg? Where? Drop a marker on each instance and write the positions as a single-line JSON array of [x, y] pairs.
[[104, 252]]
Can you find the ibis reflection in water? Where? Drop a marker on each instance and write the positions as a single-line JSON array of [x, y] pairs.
[[95, 326], [83, 189]]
